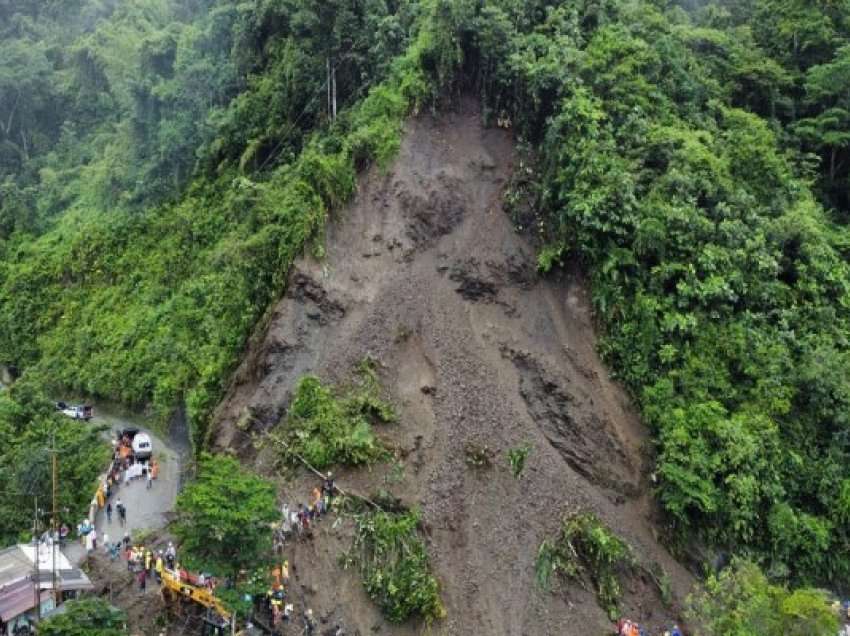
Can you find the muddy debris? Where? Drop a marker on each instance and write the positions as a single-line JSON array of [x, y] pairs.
[[581, 437], [479, 355], [307, 290], [471, 285], [432, 216]]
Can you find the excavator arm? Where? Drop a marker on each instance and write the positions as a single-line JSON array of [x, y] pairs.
[[201, 595]]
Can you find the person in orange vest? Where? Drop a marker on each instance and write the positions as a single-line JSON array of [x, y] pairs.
[[317, 500]]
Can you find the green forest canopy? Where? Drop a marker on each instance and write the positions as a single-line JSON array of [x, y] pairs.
[[162, 163]]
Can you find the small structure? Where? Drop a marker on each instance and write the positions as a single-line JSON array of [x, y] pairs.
[[27, 574]]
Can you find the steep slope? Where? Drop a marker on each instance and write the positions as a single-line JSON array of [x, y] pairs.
[[425, 274]]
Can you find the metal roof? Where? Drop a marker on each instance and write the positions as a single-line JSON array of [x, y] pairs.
[[14, 565], [17, 573]]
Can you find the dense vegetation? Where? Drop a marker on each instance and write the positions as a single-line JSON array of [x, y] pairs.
[[326, 427], [87, 617], [393, 564], [164, 176], [697, 166], [29, 426], [224, 518], [741, 602], [162, 163]]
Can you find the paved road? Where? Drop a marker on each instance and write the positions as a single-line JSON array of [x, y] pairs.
[[146, 509]]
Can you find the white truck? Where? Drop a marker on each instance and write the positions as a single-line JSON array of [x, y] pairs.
[[75, 411]]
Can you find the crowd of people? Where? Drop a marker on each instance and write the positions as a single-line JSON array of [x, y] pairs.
[[146, 562], [126, 467], [626, 627], [297, 519]]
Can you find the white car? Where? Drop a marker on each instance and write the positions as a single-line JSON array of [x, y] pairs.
[[142, 447]]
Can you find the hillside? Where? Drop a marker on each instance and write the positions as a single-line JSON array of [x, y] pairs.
[[425, 275], [611, 234]]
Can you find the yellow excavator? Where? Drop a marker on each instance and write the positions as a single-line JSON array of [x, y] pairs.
[[217, 621]]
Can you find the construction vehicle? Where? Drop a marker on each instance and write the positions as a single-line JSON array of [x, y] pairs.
[[217, 621]]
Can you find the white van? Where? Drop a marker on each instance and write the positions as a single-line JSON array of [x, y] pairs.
[[142, 448]]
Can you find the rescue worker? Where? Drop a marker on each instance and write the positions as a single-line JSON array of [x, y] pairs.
[[328, 490], [170, 555], [309, 623], [158, 567], [148, 560]]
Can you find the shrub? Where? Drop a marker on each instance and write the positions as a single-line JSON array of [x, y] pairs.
[[325, 428], [585, 547], [516, 459], [393, 564]]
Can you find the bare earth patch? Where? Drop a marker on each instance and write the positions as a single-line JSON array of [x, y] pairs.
[[425, 274]]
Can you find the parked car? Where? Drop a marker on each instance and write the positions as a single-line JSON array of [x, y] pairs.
[[75, 411]]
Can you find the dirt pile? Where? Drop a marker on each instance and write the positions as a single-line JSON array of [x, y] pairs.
[[425, 274]]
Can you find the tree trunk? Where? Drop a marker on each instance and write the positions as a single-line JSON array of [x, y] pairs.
[[328, 82], [333, 81], [832, 165]]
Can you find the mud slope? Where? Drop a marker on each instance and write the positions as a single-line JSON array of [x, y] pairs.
[[425, 274]]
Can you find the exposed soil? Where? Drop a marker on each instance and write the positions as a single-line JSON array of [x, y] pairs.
[[425, 274]]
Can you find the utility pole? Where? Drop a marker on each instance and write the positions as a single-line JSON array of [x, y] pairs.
[[57, 593], [35, 576]]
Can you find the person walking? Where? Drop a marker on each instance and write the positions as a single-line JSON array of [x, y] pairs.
[[149, 477], [287, 521], [328, 490], [106, 543], [109, 513], [93, 539], [143, 576], [309, 623], [295, 521], [170, 555]]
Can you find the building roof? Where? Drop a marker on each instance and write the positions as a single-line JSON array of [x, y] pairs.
[[18, 571], [18, 598], [14, 565]]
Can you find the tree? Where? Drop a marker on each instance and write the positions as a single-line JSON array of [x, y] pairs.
[[224, 517], [741, 602], [87, 617]]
